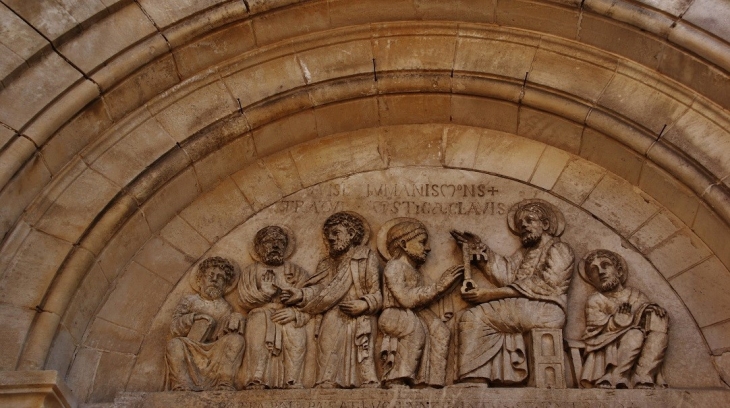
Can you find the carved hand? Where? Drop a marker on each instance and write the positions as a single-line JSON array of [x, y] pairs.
[[623, 315], [478, 295], [354, 308], [235, 323], [284, 316], [267, 284], [200, 316], [449, 277], [656, 309], [292, 296]]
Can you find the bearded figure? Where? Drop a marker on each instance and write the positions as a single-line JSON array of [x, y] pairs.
[[416, 341], [207, 343], [529, 292], [344, 295], [626, 334], [276, 338]]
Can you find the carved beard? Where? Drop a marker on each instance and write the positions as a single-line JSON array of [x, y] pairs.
[[273, 258], [338, 247], [213, 292], [609, 284], [530, 238], [418, 257]]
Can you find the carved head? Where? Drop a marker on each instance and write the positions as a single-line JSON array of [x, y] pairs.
[[605, 269], [271, 244], [342, 231], [532, 221], [409, 237], [214, 276]]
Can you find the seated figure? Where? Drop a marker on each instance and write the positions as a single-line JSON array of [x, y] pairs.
[[626, 334], [416, 341], [207, 345]]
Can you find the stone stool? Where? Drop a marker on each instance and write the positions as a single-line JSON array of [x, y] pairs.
[[546, 364]]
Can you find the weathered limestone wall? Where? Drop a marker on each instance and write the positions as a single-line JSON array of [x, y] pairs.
[[126, 125]]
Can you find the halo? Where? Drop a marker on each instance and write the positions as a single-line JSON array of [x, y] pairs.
[[383, 235], [290, 247], [193, 277], [365, 224], [584, 274], [557, 221]]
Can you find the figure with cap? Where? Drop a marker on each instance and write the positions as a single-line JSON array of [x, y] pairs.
[[415, 340], [276, 337], [344, 296], [529, 292], [207, 343], [626, 334]]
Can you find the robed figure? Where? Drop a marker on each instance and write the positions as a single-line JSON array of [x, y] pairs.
[[276, 337], [344, 295]]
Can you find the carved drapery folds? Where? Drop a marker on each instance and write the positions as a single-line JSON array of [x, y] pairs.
[[378, 321]]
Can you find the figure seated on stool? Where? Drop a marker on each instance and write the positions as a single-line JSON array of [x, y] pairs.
[[626, 334]]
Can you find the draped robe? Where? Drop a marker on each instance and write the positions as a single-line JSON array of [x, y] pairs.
[[345, 343], [275, 353], [416, 341], [490, 335]]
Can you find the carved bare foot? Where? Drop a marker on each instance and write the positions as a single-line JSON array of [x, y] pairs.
[[225, 387], [604, 385], [644, 386], [370, 385], [326, 385], [395, 384], [255, 386], [294, 386]]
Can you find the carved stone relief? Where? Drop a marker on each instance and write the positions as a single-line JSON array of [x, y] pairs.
[[381, 309]]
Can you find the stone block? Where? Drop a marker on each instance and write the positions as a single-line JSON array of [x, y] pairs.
[[257, 185], [568, 108], [197, 110], [279, 107], [711, 16], [284, 133], [337, 61], [332, 157], [79, 203], [228, 42], [510, 55], [265, 79], [107, 336], [714, 232], [619, 205], [61, 353], [182, 236], [341, 89], [425, 82], [6, 135], [718, 337], [13, 157], [622, 39], [85, 302], [47, 16], [290, 22], [655, 231], [669, 192], [549, 167], [582, 75], [225, 161], [696, 74], [550, 129], [678, 253], [414, 145], [19, 37], [32, 269], [612, 155], [508, 155], [135, 299], [111, 376], [461, 146], [35, 389], [79, 132], [135, 152], [539, 16], [141, 86], [673, 7], [10, 63], [80, 377], [16, 323], [171, 198], [704, 290], [120, 249], [418, 108], [168, 12], [108, 37], [483, 112], [281, 166], [21, 190], [347, 116], [425, 52], [163, 260], [345, 12], [577, 180], [218, 211]]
